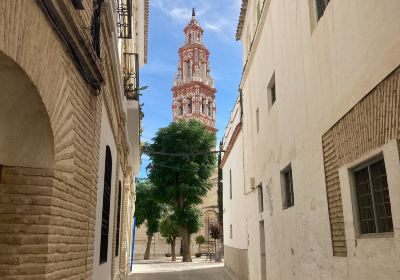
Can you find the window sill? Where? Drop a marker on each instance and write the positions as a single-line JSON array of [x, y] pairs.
[[376, 235]]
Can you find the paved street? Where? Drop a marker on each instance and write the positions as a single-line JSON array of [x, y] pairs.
[[164, 269]]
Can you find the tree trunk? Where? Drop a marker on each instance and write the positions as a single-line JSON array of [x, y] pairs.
[[173, 249], [147, 253], [186, 254]]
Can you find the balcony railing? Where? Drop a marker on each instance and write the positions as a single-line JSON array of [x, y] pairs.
[[131, 76]]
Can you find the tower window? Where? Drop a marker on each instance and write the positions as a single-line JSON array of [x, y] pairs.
[[118, 219], [203, 106], [374, 208], [105, 217], [189, 105], [180, 108], [210, 109]]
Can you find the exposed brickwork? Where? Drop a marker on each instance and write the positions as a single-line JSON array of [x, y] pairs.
[[373, 122], [47, 222], [25, 221]]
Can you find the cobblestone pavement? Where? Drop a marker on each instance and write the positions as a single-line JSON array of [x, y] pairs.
[[164, 269]]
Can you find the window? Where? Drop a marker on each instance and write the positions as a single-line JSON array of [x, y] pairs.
[[189, 105], [96, 26], [230, 231], [288, 195], [124, 19], [374, 209], [230, 183], [180, 108], [271, 92], [321, 6], [260, 199], [105, 217], [118, 219], [258, 119], [78, 4], [203, 105], [210, 109]]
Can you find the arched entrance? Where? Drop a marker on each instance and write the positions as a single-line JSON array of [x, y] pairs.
[[26, 174]]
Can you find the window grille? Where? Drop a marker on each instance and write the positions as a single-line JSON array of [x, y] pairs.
[[124, 21], [288, 200], [321, 6], [118, 219], [96, 25], [105, 219], [374, 208]]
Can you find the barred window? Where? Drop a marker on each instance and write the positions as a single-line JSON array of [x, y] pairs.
[[118, 219], [374, 209], [105, 217], [288, 195], [321, 6]]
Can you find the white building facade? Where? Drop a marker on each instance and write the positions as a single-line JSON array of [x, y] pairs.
[[321, 121]]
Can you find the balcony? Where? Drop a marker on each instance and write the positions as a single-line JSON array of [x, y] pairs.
[[131, 76]]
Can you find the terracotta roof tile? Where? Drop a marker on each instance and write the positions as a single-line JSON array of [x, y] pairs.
[[242, 16]]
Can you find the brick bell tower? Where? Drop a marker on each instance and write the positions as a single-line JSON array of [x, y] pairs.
[[193, 90]]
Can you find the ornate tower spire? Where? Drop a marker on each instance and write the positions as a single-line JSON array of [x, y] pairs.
[[193, 90]]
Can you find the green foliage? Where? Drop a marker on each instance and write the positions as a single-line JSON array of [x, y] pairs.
[[148, 209], [182, 179], [200, 240], [191, 217], [169, 229]]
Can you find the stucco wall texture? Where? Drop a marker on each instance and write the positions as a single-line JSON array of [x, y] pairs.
[[337, 87]]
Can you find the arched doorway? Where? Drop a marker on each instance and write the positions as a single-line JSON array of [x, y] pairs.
[[26, 174]]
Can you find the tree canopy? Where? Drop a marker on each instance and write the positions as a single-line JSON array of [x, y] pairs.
[[175, 175], [148, 209], [169, 229], [182, 164]]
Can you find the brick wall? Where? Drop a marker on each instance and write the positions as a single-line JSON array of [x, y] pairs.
[[373, 122], [25, 221], [61, 209]]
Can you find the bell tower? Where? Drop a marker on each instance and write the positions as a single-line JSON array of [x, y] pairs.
[[193, 90]]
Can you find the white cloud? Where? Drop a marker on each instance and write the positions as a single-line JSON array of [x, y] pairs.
[[216, 16]]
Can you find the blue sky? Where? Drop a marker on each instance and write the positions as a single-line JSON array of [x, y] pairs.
[[167, 20]]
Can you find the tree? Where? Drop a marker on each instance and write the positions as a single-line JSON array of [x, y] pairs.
[[148, 210], [182, 163], [170, 230], [200, 240]]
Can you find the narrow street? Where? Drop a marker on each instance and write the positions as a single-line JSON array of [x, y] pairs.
[[167, 270]]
